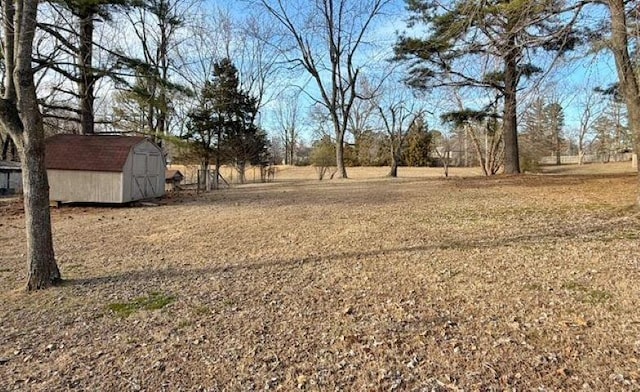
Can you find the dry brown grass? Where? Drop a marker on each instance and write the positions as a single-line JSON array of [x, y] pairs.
[[300, 173], [416, 283]]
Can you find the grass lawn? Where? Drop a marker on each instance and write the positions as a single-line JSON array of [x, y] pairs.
[[418, 283]]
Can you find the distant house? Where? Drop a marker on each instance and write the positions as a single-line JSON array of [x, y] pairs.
[[103, 168], [10, 178]]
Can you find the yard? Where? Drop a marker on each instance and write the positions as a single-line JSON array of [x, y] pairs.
[[417, 283]]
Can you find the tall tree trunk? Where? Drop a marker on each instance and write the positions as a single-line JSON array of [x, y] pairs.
[[511, 154], [626, 74], [20, 116], [481, 157], [43, 270], [241, 166], [206, 181], [341, 169], [286, 149], [556, 141], [393, 172], [163, 108], [87, 76]]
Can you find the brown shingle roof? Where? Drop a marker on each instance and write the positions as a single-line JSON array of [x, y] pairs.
[[89, 152], [172, 174]]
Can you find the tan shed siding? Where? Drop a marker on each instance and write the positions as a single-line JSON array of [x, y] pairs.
[[126, 179], [85, 186]]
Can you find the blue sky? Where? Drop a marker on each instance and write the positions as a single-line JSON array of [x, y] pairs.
[[580, 75]]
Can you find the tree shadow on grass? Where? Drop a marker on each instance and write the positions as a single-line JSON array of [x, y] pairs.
[[536, 181], [602, 231]]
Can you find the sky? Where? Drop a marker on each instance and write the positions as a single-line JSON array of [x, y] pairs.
[[568, 81]]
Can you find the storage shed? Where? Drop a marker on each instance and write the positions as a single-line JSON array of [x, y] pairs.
[[10, 178], [173, 178], [103, 168]]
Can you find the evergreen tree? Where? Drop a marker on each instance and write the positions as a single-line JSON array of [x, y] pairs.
[[223, 125], [501, 32], [84, 74], [418, 150], [542, 134], [555, 118], [146, 106]]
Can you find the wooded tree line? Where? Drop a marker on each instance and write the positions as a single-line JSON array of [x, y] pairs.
[[157, 67]]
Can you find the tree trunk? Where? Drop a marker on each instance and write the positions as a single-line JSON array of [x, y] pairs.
[[393, 172], [87, 84], [476, 144], [511, 158], [626, 74], [240, 167], [20, 116], [557, 145], [43, 270], [341, 169], [206, 181]]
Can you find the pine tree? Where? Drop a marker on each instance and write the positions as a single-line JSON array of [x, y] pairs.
[[555, 119], [418, 150], [542, 131], [84, 74], [502, 32], [223, 125]]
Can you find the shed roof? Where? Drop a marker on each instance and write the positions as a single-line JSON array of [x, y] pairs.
[[10, 166], [89, 152], [173, 174]]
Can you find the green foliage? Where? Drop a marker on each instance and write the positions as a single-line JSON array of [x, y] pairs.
[[154, 301], [323, 156], [419, 143], [371, 149], [461, 117], [223, 124], [100, 8], [587, 294], [502, 33], [542, 132], [323, 152], [467, 28]]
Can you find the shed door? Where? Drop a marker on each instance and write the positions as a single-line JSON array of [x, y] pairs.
[[145, 175]]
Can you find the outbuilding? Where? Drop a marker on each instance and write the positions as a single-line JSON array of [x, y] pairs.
[[103, 168], [10, 178], [173, 178]]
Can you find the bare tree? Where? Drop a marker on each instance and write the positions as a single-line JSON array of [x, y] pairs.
[[590, 113], [158, 26], [287, 117], [20, 116], [328, 39], [472, 122], [251, 42], [442, 142], [257, 53], [397, 114], [360, 121]]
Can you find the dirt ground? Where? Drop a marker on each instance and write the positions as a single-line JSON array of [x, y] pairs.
[[368, 284]]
